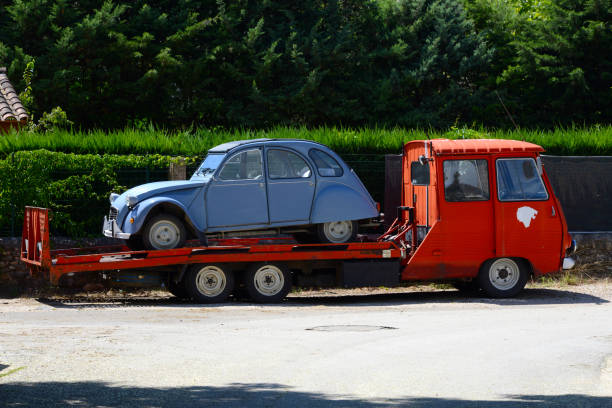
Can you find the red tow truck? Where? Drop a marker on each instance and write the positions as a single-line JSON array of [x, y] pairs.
[[479, 213]]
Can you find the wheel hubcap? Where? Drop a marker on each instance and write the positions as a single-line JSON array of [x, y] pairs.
[[504, 274], [210, 281], [338, 231], [269, 280], [164, 234]]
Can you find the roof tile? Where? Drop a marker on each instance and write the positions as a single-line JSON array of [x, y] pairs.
[[11, 108]]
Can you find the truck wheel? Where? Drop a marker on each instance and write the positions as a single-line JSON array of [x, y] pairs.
[[503, 277], [164, 231], [267, 282], [337, 232], [177, 289], [209, 283]]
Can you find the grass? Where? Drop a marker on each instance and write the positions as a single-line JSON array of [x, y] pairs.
[[594, 140]]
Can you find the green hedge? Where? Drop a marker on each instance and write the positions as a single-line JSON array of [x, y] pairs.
[[75, 187], [594, 140]]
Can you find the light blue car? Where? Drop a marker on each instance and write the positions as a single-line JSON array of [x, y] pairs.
[[278, 185]]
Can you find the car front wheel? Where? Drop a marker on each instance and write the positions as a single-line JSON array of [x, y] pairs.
[[337, 232], [164, 231]]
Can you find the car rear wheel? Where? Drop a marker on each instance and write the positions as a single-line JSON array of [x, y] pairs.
[[268, 282], [503, 277], [164, 231], [209, 283], [337, 232]]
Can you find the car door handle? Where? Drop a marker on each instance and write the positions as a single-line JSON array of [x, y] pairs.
[[261, 185]]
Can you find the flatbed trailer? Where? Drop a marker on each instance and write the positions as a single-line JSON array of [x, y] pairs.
[[209, 273]]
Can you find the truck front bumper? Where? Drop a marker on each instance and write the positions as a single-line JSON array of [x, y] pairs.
[[111, 229]]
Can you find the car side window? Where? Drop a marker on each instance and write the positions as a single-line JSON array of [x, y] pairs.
[[327, 166], [283, 164], [518, 180], [245, 165], [466, 180]]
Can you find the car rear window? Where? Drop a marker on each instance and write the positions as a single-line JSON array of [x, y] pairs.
[[327, 166]]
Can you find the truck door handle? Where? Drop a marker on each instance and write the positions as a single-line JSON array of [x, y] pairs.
[[553, 211]]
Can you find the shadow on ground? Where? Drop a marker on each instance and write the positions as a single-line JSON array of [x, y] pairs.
[[526, 298], [95, 394]]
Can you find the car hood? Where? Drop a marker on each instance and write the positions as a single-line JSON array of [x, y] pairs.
[[145, 191]]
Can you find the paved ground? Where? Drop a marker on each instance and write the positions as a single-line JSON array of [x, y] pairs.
[[549, 347]]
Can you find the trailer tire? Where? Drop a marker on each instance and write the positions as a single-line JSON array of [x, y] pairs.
[[177, 289], [467, 287], [337, 232], [267, 283], [209, 283], [503, 277]]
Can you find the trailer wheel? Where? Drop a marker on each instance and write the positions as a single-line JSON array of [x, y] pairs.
[[164, 231], [177, 289], [503, 277], [467, 287], [268, 282], [337, 232], [209, 283]]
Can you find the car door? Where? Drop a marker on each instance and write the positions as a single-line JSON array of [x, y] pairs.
[[528, 222], [237, 194], [291, 186]]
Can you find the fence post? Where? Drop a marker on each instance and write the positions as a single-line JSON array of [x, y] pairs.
[[178, 171], [147, 174]]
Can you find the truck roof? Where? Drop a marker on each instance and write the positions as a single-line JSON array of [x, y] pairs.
[[471, 146]]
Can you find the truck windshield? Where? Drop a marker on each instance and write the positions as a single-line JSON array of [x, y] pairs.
[[208, 167]]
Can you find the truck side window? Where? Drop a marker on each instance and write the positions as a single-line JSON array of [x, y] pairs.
[[466, 180], [518, 180]]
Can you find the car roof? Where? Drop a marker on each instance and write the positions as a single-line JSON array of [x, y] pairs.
[[471, 146], [226, 147]]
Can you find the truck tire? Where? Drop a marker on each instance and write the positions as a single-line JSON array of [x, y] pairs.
[[267, 283], [209, 283], [337, 232], [503, 277], [164, 231]]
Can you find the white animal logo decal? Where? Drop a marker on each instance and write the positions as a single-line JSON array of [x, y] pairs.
[[525, 215]]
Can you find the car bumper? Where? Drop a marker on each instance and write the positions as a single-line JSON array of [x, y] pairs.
[[111, 229]]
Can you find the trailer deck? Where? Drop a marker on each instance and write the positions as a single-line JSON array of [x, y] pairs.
[[37, 254]]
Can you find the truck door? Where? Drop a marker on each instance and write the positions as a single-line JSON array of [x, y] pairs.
[[528, 222], [466, 212]]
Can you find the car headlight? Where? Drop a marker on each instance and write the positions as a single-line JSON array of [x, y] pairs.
[[113, 197], [131, 201]]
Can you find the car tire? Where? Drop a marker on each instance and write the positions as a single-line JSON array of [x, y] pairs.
[[503, 277], [337, 232], [164, 231], [177, 289], [267, 282], [209, 283], [134, 243]]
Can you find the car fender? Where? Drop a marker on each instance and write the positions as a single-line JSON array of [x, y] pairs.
[[338, 202], [141, 210]]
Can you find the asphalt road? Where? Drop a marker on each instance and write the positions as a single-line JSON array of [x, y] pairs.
[[548, 347]]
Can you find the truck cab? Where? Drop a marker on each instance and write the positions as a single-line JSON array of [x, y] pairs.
[[484, 211]]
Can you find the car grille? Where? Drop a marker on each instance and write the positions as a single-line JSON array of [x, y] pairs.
[[112, 215]]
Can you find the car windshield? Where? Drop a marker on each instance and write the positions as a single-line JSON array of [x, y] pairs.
[[208, 166]]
